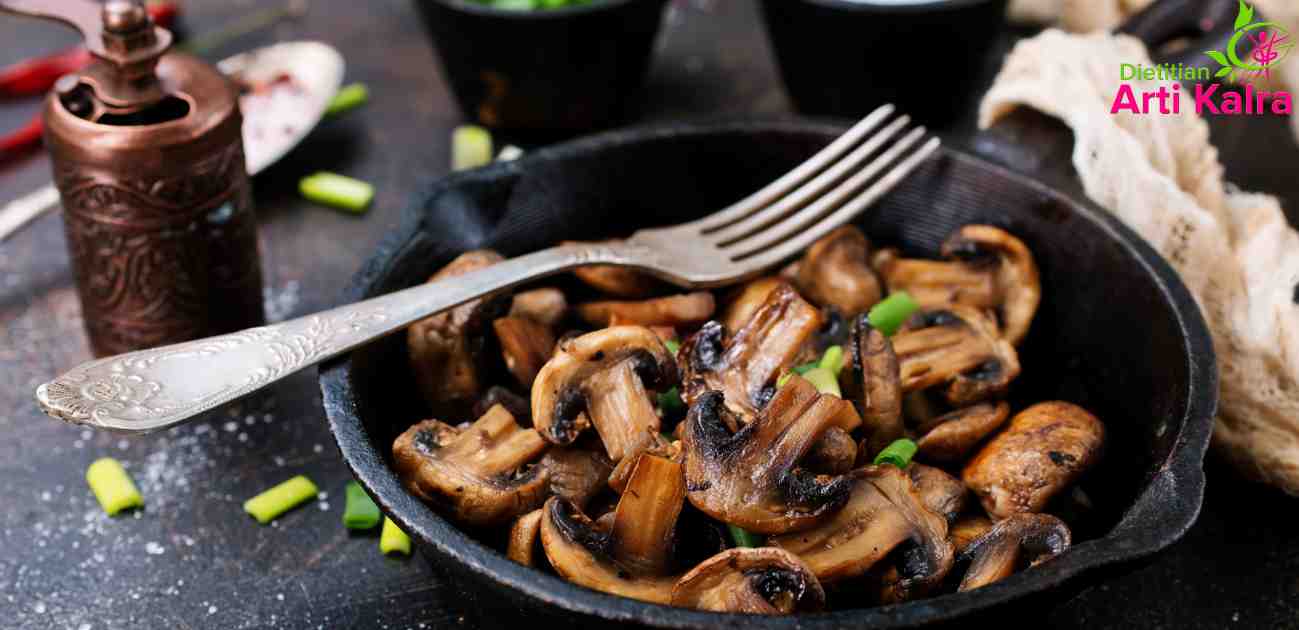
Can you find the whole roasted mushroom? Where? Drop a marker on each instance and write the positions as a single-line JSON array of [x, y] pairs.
[[986, 267], [745, 365], [633, 557], [760, 581], [1043, 449], [1022, 539], [952, 436], [480, 473], [687, 309], [882, 513], [750, 478], [448, 350], [836, 272], [601, 378], [876, 385], [957, 346]]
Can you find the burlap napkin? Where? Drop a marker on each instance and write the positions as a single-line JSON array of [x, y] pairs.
[[1233, 249]]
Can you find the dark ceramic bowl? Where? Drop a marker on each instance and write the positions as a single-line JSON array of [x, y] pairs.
[[1116, 332], [545, 72], [845, 58]]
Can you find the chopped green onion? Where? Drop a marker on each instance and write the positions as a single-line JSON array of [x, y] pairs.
[[892, 312], [337, 190], [471, 147], [673, 346], [824, 380], [280, 499], [744, 537], [899, 453], [112, 486], [349, 97], [392, 539], [832, 359], [360, 512], [670, 402]]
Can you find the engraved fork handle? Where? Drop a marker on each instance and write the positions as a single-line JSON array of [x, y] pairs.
[[160, 387]]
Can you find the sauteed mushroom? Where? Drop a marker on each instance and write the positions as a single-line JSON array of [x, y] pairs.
[[877, 384], [447, 349], [1020, 539], [748, 299], [836, 272], [687, 309], [633, 557], [967, 529], [750, 478], [479, 472], [546, 305], [623, 282], [576, 474], [760, 581], [959, 346], [987, 267], [523, 538], [1043, 449], [951, 436], [834, 454], [604, 374], [744, 367], [942, 493], [518, 406], [882, 513], [526, 345]]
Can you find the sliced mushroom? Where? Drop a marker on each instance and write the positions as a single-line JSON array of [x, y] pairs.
[[576, 474], [480, 472], [749, 478], [836, 272], [876, 385], [987, 268], [687, 309], [883, 512], [447, 350], [546, 306], [942, 493], [744, 367], [748, 299], [658, 445], [958, 346], [1043, 449], [517, 405], [759, 581], [602, 376], [526, 345], [632, 557], [834, 454], [967, 529], [622, 282], [952, 436], [523, 539], [1022, 539]]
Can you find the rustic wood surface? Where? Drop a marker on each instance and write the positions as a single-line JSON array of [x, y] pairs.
[[193, 559]]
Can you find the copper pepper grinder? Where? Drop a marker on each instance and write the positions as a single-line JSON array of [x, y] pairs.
[[149, 164]]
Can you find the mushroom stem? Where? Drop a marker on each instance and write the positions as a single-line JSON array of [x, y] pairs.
[[647, 514], [995, 555], [526, 345], [620, 409], [877, 375]]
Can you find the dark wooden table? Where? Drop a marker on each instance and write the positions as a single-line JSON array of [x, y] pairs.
[[193, 559]]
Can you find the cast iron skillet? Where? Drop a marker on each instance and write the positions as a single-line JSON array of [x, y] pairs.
[[1117, 332]]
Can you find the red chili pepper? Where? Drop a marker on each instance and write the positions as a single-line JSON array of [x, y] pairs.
[[37, 75], [21, 140]]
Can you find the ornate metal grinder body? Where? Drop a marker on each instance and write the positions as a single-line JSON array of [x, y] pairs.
[[149, 164]]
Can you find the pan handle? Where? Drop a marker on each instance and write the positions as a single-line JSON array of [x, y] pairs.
[[1209, 24]]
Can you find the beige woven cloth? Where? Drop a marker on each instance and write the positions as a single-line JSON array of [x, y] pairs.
[[1234, 250]]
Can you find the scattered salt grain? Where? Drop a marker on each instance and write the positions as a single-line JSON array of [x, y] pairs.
[[231, 426], [153, 548], [39, 608], [211, 610], [317, 449]]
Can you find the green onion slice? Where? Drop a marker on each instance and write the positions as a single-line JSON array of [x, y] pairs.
[[349, 97], [471, 147], [280, 499], [113, 488], [670, 402], [673, 346], [744, 537], [392, 539], [832, 359], [824, 380], [360, 512], [899, 453], [338, 191], [892, 312]]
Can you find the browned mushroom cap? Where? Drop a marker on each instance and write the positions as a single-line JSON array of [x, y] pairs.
[[526, 345], [1022, 539], [958, 346], [523, 538], [480, 473], [687, 309], [447, 349], [604, 374], [967, 529], [546, 306], [632, 557], [883, 512], [942, 493], [749, 478], [834, 454], [876, 385], [836, 272], [952, 436], [618, 281], [746, 301], [1043, 449], [576, 474], [745, 366], [760, 581], [987, 268]]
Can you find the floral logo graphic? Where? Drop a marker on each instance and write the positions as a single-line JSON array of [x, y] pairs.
[[1271, 43]]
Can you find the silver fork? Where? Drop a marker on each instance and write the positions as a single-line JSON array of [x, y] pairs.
[[153, 389]]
